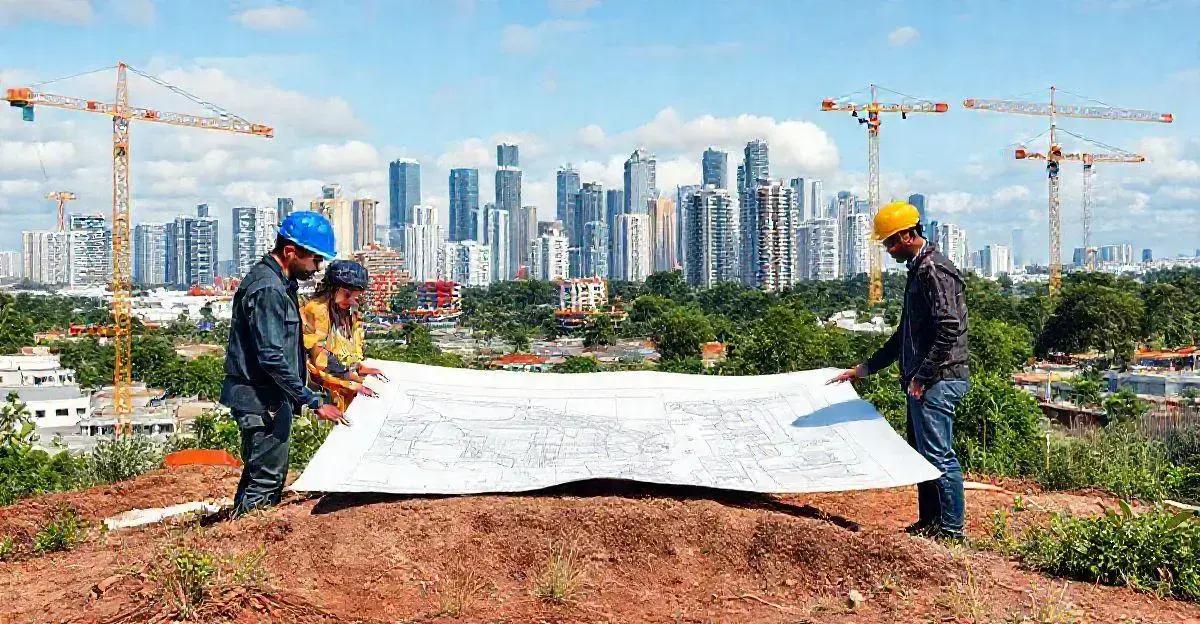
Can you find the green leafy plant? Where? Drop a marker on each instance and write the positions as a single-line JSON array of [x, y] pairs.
[[64, 529], [123, 458], [185, 578], [563, 576], [8, 547], [308, 433]]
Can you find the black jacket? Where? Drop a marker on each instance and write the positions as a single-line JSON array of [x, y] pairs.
[[931, 341], [264, 362]]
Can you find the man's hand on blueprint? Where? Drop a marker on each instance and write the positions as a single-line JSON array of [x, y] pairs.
[[850, 374]]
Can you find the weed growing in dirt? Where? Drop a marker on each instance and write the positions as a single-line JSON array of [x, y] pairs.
[[186, 577], [63, 531], [564, 575], [1154, 551], [7, 548], [247, 569], [1000, 537], [970, 597], [461, 590], [123, 458]]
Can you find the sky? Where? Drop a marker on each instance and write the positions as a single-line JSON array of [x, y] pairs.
[[349, 86]]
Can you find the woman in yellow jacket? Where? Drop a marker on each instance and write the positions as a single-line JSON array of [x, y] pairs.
[[333, 334]]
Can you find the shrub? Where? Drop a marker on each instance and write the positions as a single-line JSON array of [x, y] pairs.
[[63, 531], [123, 458], [563, 577], [216, 429], [998, 428], [308, 433], [185, 578], [7, 548], [1154, 551], [1117, 458]]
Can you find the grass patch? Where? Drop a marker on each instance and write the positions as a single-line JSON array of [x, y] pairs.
[[64, 530], [187, 576], [7, 548], [563, 576], [462, 590]]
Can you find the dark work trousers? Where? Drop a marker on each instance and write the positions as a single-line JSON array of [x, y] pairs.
[[940, 502], [264, 456]]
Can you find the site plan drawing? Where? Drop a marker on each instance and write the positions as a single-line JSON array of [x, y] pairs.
[[436, 430]]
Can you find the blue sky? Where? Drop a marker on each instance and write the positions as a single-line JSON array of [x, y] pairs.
[[352, 85]]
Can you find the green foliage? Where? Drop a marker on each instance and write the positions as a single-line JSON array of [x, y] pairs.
[[186, 577], [997, 428], [997, 346], [25, 470], [883, 391], [64, 529], [123, 458], [405, 298], [577, 364], [679, 333], [690, 366], [783, 340], [1099, 314], [418, 348], [1124, 406], [7, 548], [1086, 389], [216, 429], [1183, 445], [1154, 551], [1117, 458], [599, 331], [669, 285], [308, 433]]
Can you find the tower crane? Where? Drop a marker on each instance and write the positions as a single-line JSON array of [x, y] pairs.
[[873, 121], [1054, 154], [62, 197], [27, 98]]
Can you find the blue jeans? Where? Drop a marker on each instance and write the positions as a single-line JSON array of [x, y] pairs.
[[931, 432], [265, 443]]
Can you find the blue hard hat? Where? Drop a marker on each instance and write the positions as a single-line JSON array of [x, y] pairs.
[[347, 274], [310, 230]]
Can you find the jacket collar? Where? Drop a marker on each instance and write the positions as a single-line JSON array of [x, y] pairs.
[[273, 264], [925, 250]]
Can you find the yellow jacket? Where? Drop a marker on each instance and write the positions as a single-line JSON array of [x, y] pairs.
[[333, 357]]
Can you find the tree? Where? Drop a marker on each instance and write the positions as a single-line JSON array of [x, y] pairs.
[[680, 332], [577, 364], [16, 330], [1124, 406], [784, 339], [671, 285], [599, 331], [1086, 390], [405, 298], [1172, 318], [997, 346], [1093, 316], [997, 427]]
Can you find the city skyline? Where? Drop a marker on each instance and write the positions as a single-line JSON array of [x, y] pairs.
[[335, 125]]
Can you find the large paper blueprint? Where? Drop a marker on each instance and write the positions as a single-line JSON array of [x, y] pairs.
[[453, 431]]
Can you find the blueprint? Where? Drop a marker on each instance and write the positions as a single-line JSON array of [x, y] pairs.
[[438, 430]]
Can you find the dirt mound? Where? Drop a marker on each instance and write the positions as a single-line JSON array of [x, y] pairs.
[[590, 552]]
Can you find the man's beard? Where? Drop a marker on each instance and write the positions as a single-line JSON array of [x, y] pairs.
[[302, 275]]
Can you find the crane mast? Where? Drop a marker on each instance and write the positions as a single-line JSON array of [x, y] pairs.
[[62, 197]]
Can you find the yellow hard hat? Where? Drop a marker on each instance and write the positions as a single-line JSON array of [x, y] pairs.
[[895, 217]]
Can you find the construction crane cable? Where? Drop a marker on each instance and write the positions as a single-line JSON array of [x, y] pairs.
[[903, 95], [46, 82], [1089, 99], [1098, 143], [182, 92]]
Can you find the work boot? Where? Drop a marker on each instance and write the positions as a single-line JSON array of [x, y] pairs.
[[920, 528]]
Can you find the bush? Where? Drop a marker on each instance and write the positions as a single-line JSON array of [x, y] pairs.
[[186, 577], [123, 458], [1117, 458], [63, 531], [998, 428], [7, 548], [308, 433], [1154, 551], [216, 429]]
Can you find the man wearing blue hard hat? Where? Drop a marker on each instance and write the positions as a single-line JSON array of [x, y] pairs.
[[266, 380]]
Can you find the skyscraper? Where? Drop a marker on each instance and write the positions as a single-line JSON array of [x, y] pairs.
[[664, 231], [526, 231], [994, 260], [363, 212], [423, 238], [683, 200], [715, 168], [467, 262], [404, 192], [589, 206], [775, 240], [337, 209], [754, 168], [918, 200], [150, 254], [284, 207], [641, 182], [614, 206], [952, 242], [595, 249], [567, 187], [508, 198], [633, 234], [818, 247], [802, 210], [90, 251], [192, 251], [550, 257], [10, 265], [44, 257], [854, 242], [1147, 255], [464, 204], [711, 238], [253, 236], [816, 209], [496, 231]]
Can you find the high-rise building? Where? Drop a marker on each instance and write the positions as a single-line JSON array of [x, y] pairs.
[[202, 211], [816, 209], [192, 251], [1147, 255], [711, 238], [818, 248], [254, 231], [1079, 257], [952, 242], [363, 213], [683, 199], [614, 206], [664, 232], [918, 200], [496, 234], [44, 257], [754, 168], [550, 257], [404, 192], [854, 239], [641, 181], [467, 262], [1116, 254], [797, 185], [90, 251], [633, 236], [337, 209], [423, 238], [775, 240], [150, 254], [508, 155], [995, 260], [526, 232], [1018, 249], [582, 294], [567, 186], [508, 198], [589, 206], [715, 168], [464, 204], [594, 253], [284, 206], [10, 265]]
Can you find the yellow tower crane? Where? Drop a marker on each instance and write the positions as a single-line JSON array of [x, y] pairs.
[[873, 121], [1054, 153], [26, 98], [62, 197]]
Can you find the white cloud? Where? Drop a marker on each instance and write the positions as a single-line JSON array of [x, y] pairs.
[[58, 11], [520, 39], [903, 36], [275, 17], [470, 153], [34, 156], [591, 136], [348, 157]]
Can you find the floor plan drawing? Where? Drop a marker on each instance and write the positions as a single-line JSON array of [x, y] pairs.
[[455, 431]]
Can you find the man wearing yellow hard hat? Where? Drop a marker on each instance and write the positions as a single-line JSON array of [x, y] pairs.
[[930, 345]]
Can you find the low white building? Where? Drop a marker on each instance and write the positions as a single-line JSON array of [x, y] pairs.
[[48, 390]]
